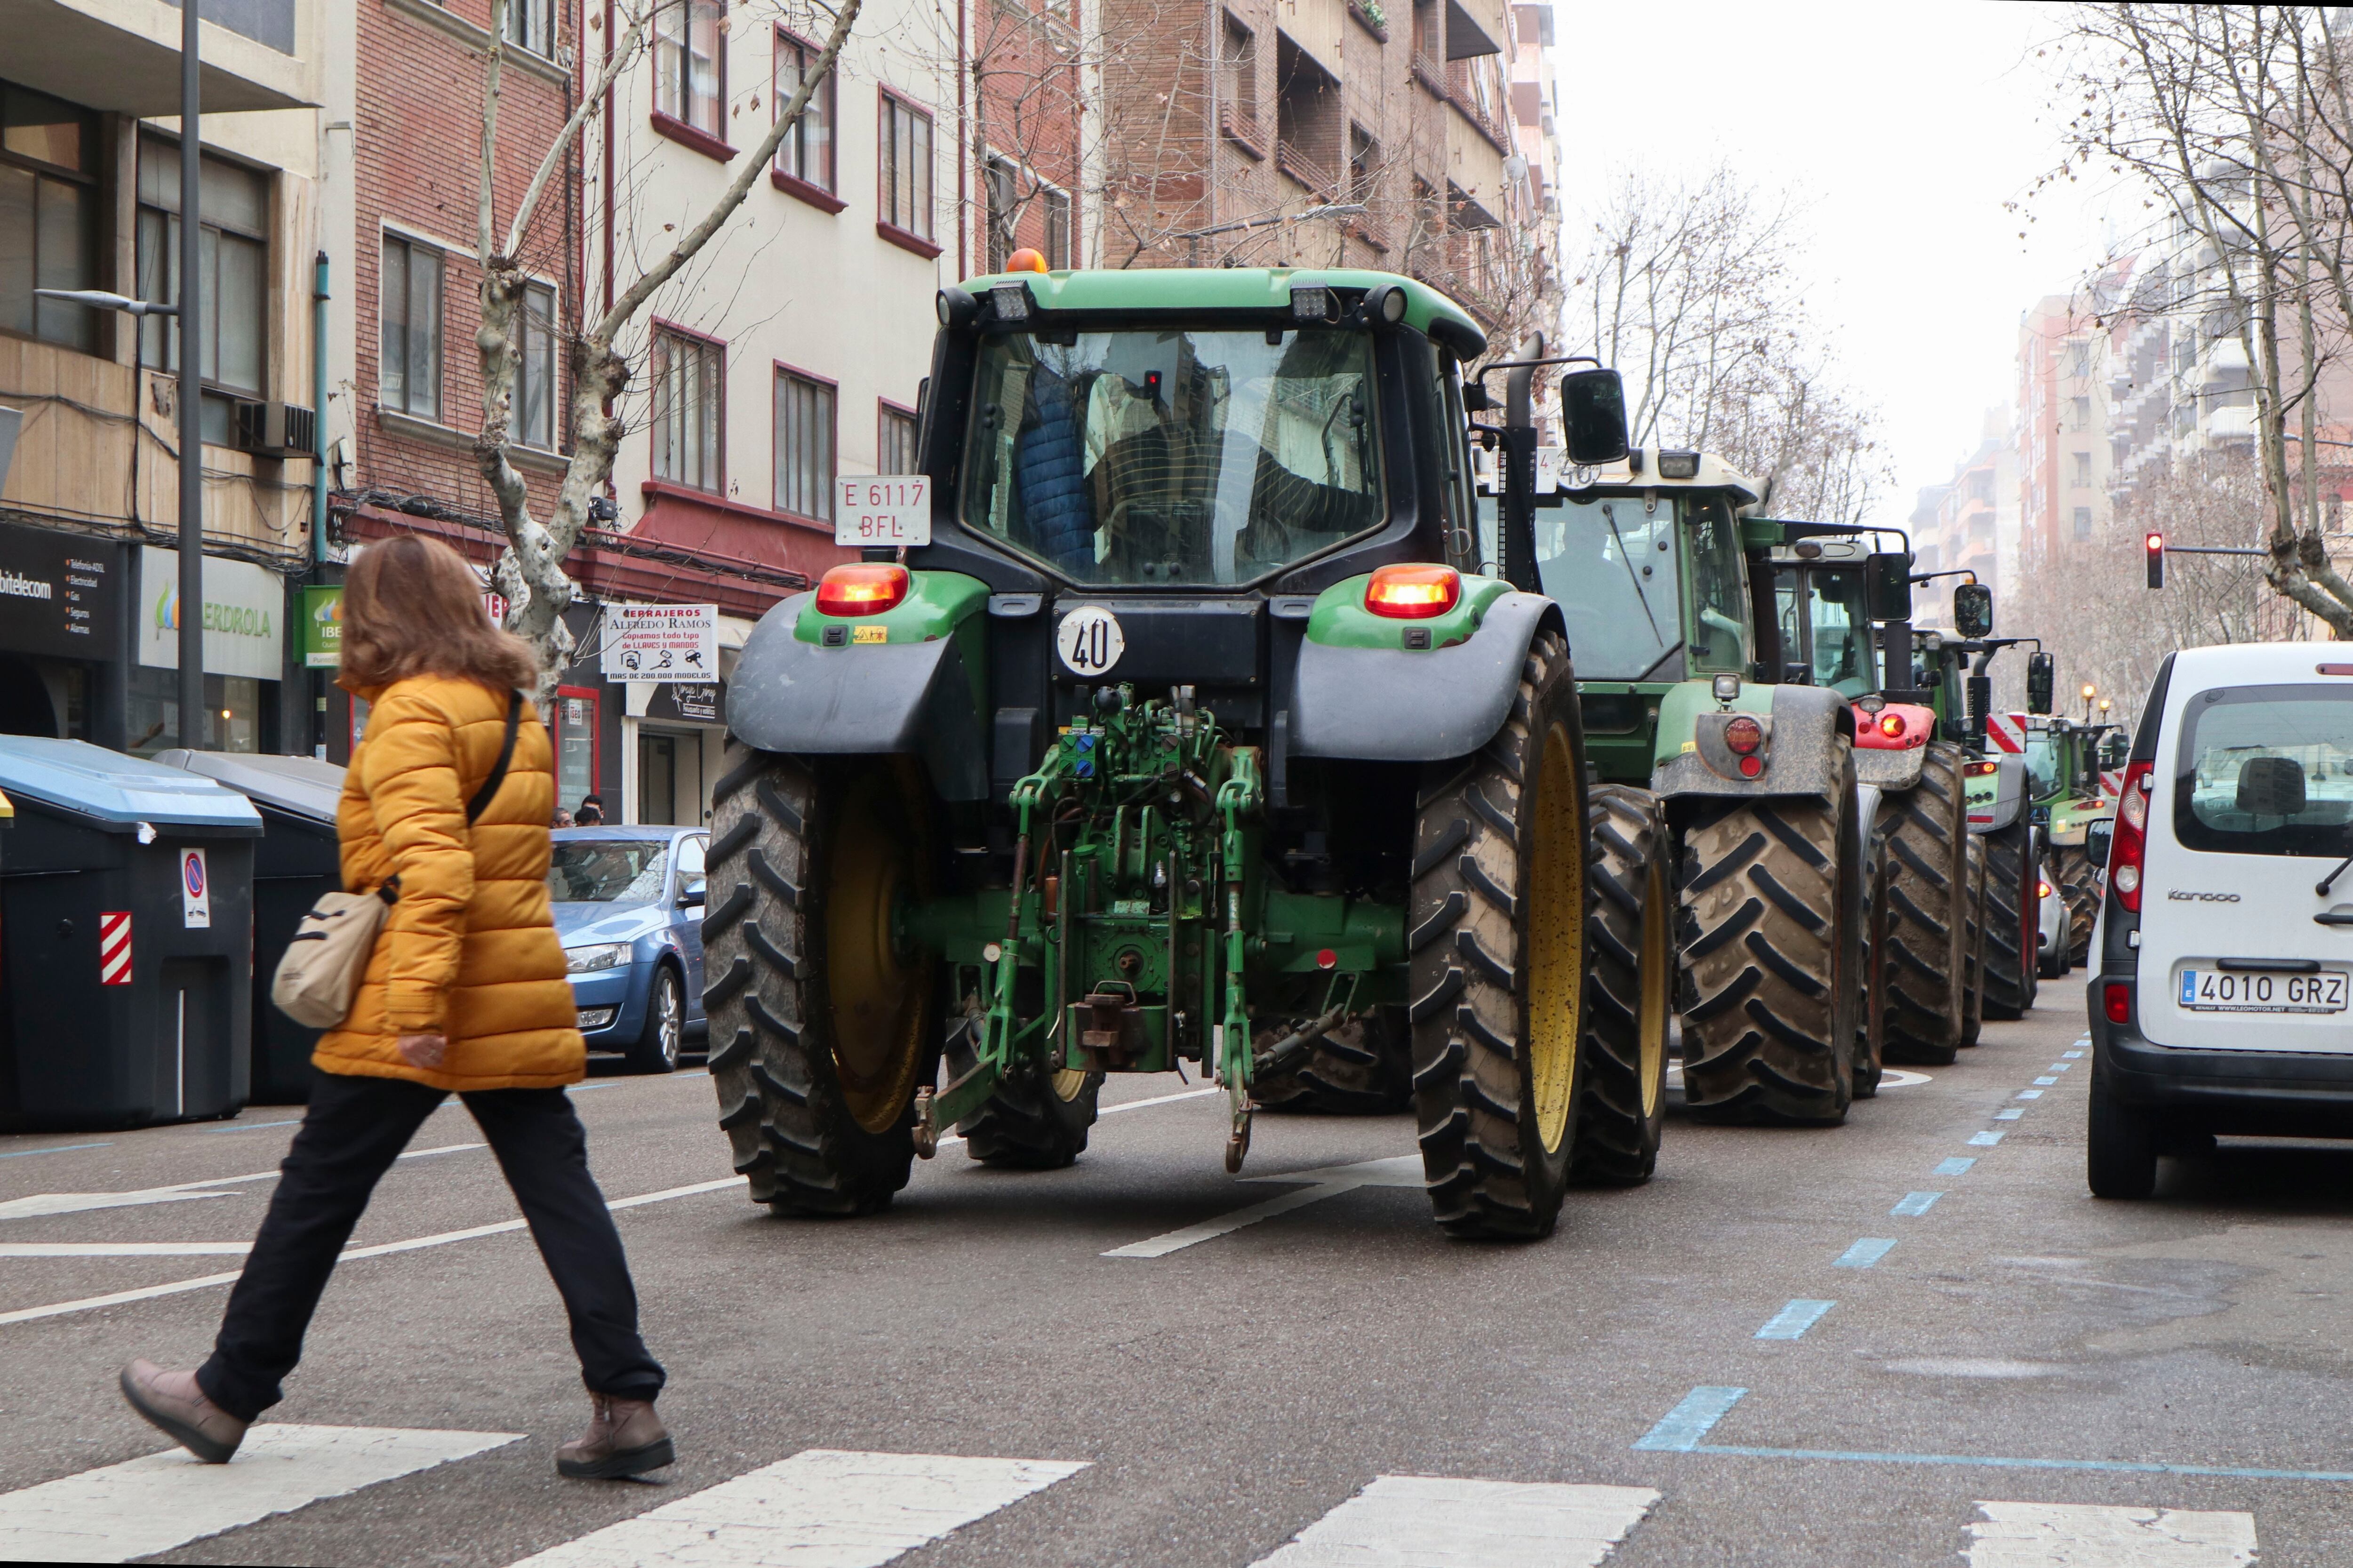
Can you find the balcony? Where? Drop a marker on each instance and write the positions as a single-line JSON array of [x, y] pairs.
[[124, 55], [1320, 181]]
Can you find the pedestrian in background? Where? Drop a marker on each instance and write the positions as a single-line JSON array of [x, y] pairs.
[[471, 901], [591, 813]]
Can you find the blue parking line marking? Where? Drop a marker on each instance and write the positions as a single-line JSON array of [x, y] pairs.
[[1958, 1165], [2008, 1115], [52, 1149], [1792, 1321], [1984, 1139], [2047, 1080], [584, 1088], [1916, 1205], [2061, 1067], [1690, 1421], [2000, 1462], [250, 1126], [2072, 1056], [1864, 1253], [2030, 1094]]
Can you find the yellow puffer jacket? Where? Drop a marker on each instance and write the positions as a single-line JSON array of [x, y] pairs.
[[470, 951]]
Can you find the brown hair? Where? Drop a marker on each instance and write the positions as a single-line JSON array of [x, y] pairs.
[[413, 606]]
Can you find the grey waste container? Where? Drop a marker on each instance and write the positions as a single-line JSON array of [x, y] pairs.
[[126, 941], [297, 860]]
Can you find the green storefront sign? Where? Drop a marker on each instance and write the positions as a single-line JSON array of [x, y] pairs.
[[323, 627]]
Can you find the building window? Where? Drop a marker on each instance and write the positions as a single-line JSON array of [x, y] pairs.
[[2079, 359], [894, 441], [1237, 74], [49, 159], [2079, 413], [690, 408], [906, 167], [805, 448], [2083, 470], [1364, 163], [233, 285], [2083, 523], [806, 152], [1429, 35], [408, 304], [690, 68], [1058, 228], [1002, 192], [530, 24], [536, 392]]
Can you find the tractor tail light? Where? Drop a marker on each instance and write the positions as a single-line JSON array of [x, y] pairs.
[[2129, 847], [1891, 725], [1413, 593], [2043, 888], [861, 588], [1744, 735]]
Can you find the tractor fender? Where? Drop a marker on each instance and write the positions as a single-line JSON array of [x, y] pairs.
[[1890, 744], [915, 698], [1802, 724], [1892, 771], [1403, 705], [1995, 799]]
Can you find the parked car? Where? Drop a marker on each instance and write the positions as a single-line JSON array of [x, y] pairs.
[[2051, 926], [628, 908], [2225, 957]]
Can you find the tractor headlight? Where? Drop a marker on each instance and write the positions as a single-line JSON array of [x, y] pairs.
[[595, 956]]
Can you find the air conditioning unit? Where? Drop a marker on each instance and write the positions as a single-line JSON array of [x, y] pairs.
[[276, 429]]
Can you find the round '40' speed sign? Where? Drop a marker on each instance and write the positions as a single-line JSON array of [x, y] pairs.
[[1089, 641]]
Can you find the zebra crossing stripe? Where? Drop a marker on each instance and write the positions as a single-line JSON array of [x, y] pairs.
[[114, 947], [825, 1508], [1424, 1522], [162, 1500], [2078, 1535]]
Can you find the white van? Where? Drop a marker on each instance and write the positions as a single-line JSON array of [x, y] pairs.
[[2226, 959]]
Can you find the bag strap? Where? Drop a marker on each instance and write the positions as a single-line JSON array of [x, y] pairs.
[[484, 795]]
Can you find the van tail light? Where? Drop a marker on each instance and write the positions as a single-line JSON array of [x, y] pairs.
[[861, 588], [2115, 1001], [1416, 593], [2128, 849]]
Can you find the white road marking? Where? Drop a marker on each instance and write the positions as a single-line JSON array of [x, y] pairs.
[[1328, 1181], [2078, 1535], [124, 1248], [1896, 1077], [1423, 1522], [41, 1204], [162, 1500], [821, 1508]]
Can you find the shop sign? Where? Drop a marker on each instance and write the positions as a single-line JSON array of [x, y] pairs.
[[244, 616], [689, 702], [322, 627], [660, 642], [58, 595]]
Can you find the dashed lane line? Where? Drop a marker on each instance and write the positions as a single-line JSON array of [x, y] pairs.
[[2010, 1115], [1792, 1321], [1957, 1166], [1984, 1139], [52, 1149], [825, 1508], [161, 1500], [2079, 1535], [250, 1126], [1914, 1204], [1429, 1521], [1864, 1253], [2029, 1094]]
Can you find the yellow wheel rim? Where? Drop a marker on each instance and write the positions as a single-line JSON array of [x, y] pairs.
[[879, 993], [1556, 938], [1657, 986], [1068, 1082]]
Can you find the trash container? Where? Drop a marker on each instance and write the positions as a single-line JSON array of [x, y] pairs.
[[126, 941], [297, 860]]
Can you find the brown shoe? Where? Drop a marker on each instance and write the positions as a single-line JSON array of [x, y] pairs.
[[624, 1438], [175, 1403]]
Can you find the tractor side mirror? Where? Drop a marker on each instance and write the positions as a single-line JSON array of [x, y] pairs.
[[1973, 610], [1593, 416], [2097, 836], [1887, 585], [2041, 682], [1475, 399], [2113, 750]]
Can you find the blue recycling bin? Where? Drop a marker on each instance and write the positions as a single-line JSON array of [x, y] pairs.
[[297, 858], [126, 941]]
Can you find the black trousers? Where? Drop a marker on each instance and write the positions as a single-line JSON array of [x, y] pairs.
[[353, 1131]]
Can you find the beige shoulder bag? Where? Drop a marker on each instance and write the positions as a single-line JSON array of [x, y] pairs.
[[329, 953]]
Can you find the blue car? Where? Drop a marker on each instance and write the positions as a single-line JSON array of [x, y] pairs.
[[629, 909]]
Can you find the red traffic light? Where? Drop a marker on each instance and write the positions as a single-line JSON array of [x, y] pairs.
[[2155, 545]]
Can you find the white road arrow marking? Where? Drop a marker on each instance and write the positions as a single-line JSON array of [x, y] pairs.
[[2077, 1535], [1418, 1521]]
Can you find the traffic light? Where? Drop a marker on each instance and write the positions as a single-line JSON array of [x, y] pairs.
[[2156, 547]]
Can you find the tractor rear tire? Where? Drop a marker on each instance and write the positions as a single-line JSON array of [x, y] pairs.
[[1498, 952], [820, 1029], [2073, 864], [1364, 1068], [1926, 919], [1772, 941], [1031, 1124], [2010, 967], [1973, 1017], [1870, 1002], [1630, 996]]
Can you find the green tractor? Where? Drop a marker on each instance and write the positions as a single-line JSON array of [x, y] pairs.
[[2066, 797], [1184, 729]]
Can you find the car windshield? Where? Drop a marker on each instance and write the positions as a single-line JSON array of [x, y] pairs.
[[2266, 770], [608, 871], [1174, 456], [1610, 563]]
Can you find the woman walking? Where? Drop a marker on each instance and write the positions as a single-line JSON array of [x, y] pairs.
[[446, 804]]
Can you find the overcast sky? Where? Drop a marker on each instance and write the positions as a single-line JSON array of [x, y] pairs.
[[1907, 127]]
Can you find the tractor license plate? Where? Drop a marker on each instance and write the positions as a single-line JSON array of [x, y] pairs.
[[2213, 991]]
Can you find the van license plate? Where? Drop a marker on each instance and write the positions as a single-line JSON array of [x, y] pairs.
[[2212, 991]]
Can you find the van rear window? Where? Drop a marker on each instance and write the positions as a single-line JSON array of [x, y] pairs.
[[2266, 770]]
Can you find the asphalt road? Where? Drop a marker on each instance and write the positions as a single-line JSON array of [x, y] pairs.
[[1209, 1402]]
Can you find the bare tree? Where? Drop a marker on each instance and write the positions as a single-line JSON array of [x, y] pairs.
[[530, 571], [1691, 294]]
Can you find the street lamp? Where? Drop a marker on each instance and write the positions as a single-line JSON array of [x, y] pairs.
[[2090, 691]]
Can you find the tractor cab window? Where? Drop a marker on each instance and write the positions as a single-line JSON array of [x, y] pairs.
[[2041, 766], [1839, 623], [1610, 563], [1719, 596], [1149, 458]]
